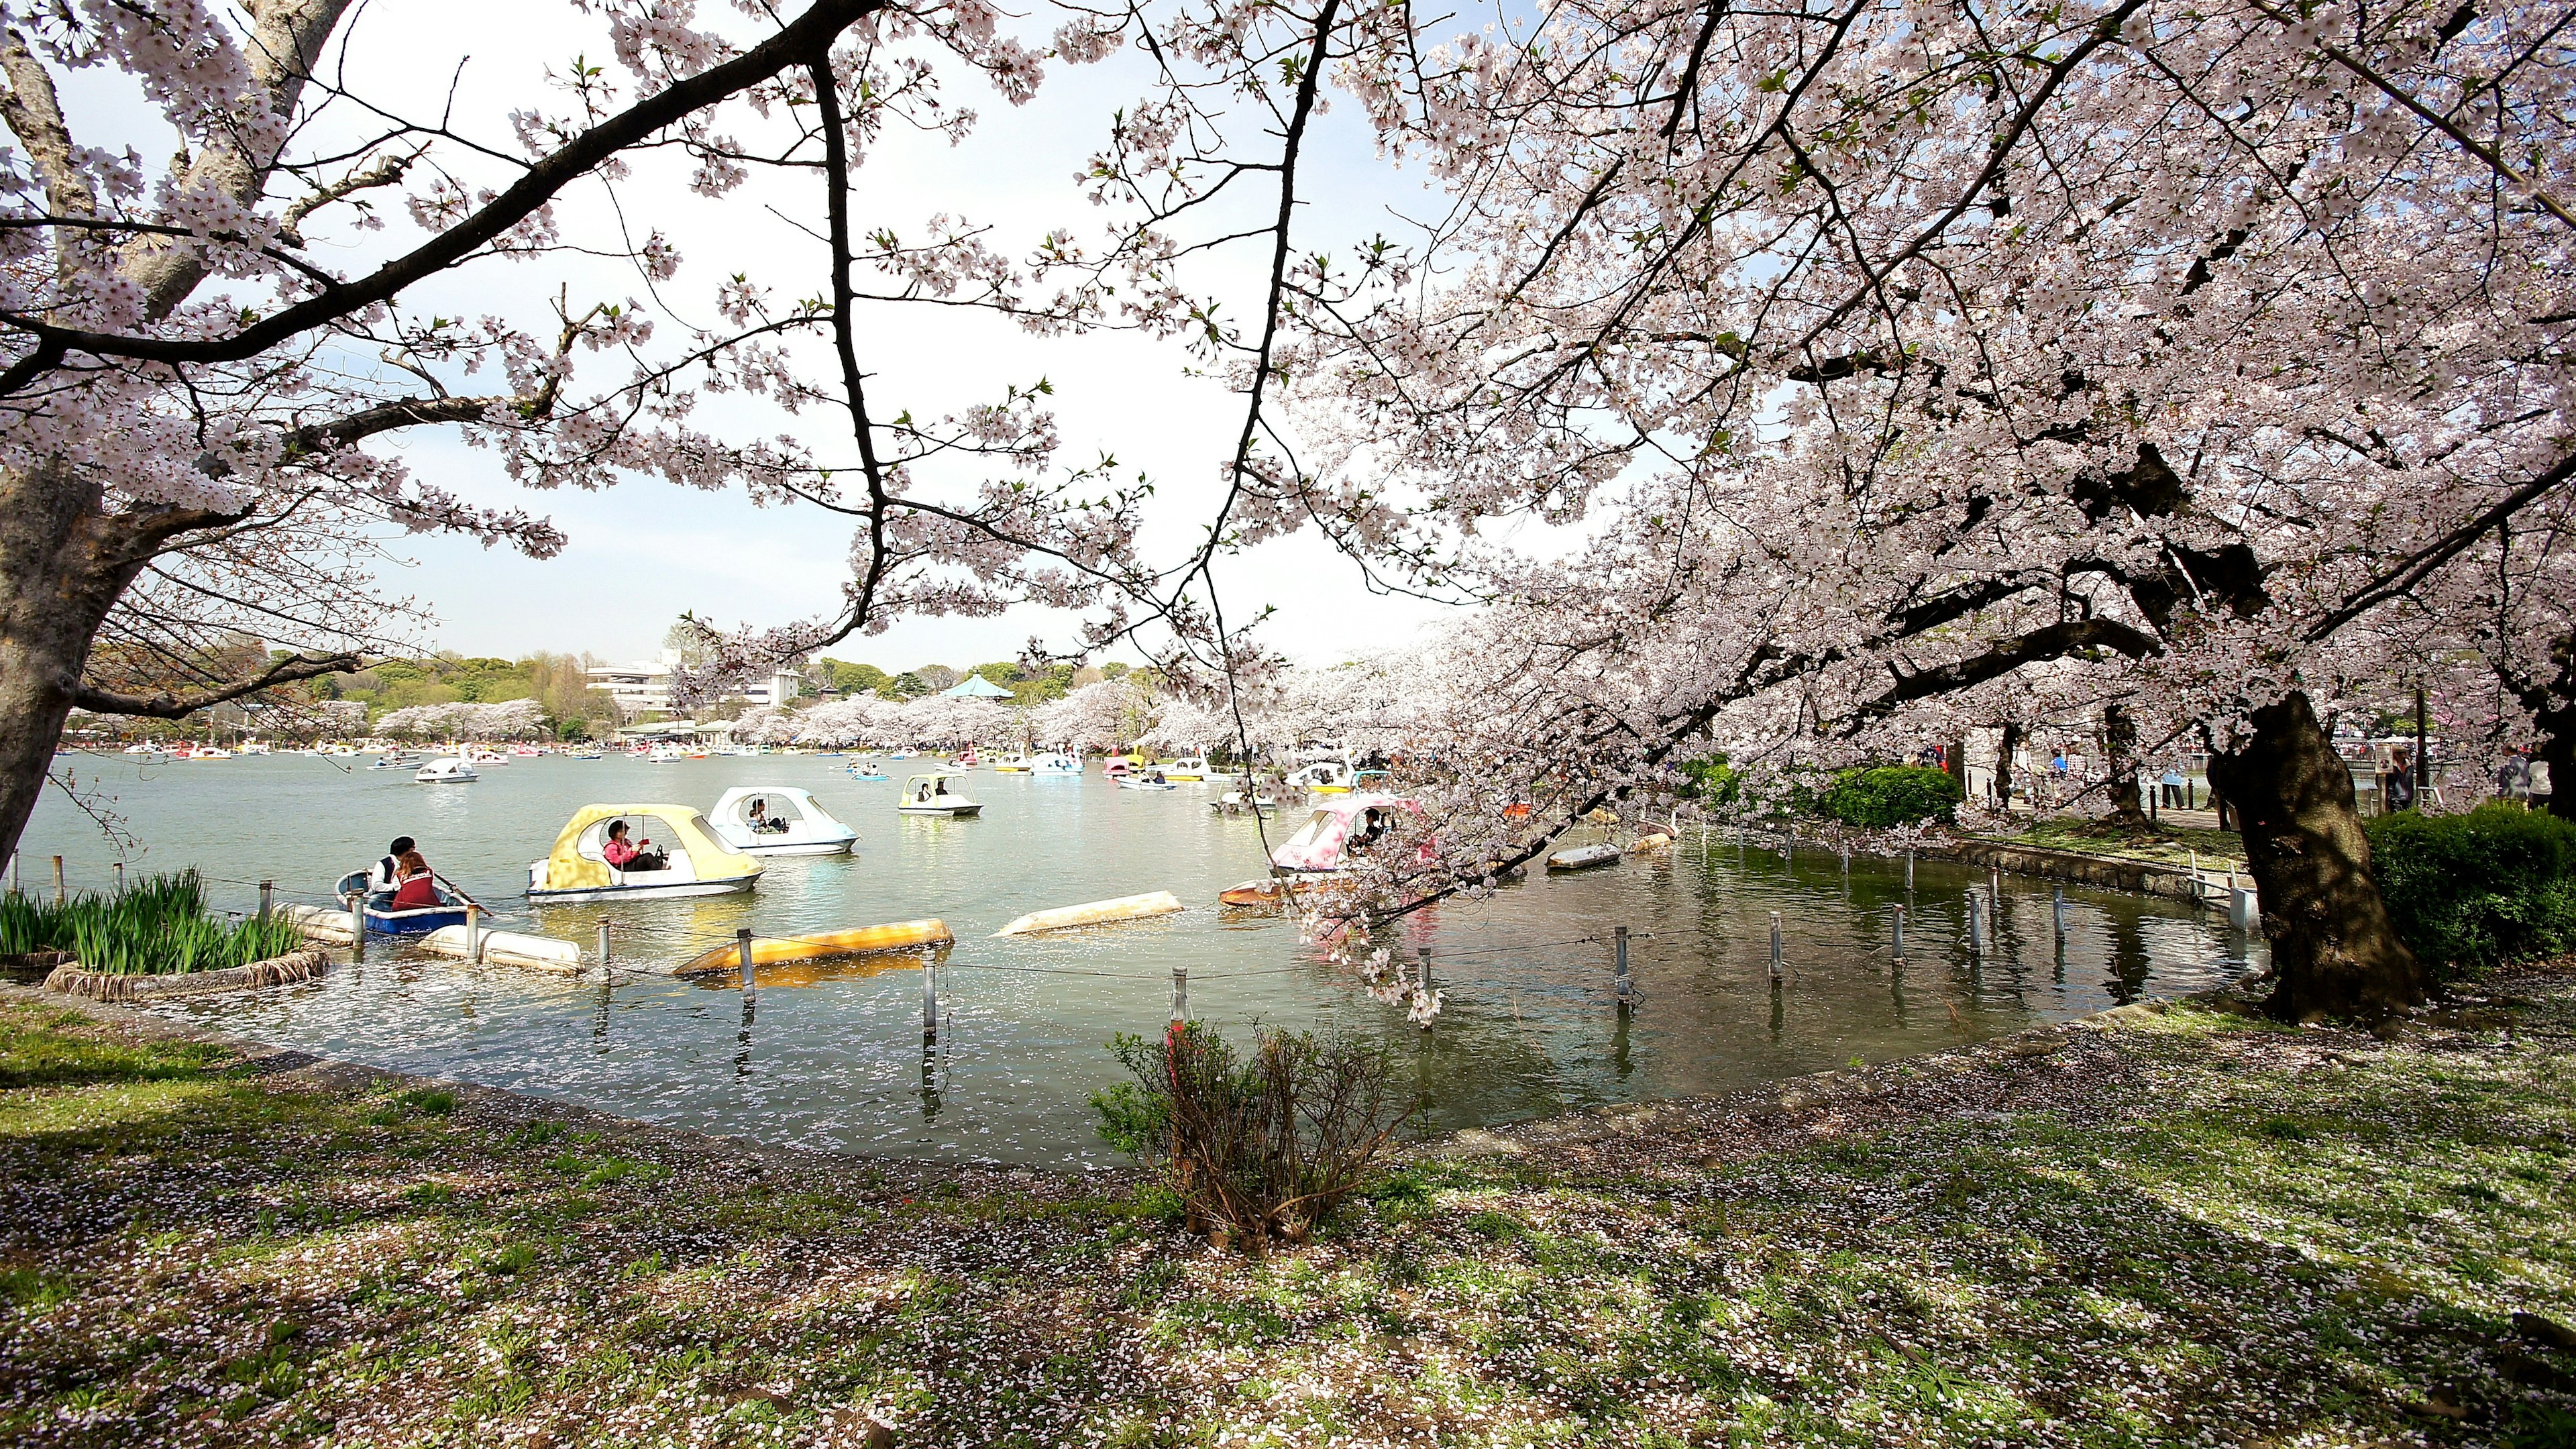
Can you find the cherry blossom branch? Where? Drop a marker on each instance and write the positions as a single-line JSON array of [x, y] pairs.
[[165, 705], [791, 45]]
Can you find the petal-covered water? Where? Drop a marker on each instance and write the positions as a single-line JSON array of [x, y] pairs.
[[832, 1056]]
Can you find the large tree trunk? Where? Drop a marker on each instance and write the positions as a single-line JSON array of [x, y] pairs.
[[61, 568], [2335, 952], [2553, 710], [2120, 749], [2005, 748], [2558, 752]]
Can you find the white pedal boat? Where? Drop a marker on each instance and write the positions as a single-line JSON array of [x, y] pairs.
[[445, 771], [778, 820], [930, 795]]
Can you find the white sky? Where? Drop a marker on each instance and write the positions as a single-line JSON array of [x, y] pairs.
[[644, 552]]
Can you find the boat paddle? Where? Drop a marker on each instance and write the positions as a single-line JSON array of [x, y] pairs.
[[460, 893]]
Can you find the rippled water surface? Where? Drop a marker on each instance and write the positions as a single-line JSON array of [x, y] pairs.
[[832, 1057]]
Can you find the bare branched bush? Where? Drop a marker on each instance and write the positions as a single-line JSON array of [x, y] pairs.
[[1261, 1147]]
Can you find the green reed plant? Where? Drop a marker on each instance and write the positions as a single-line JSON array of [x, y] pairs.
[[157, 927]]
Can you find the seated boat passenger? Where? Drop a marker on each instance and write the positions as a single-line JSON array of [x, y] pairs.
[[418, 888], [764, 823], [387, 872], [622, 855]]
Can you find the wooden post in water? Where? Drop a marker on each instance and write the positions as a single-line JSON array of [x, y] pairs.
[[60, 896], [1846, 860], [929, 1000], [1909, 872], [473, 932], [120, 880], [1898, 939], [1789, 849], [1775, 947], [267, 892], [1180, 993], [357, 925], [1976, 924], [2057, 912], [742, 948], [603, 943], [1619, 950]]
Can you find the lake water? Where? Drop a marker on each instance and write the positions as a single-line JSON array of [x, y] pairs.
[[833, 1058]]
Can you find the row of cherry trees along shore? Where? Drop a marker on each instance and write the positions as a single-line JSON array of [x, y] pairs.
[[1797, 381]]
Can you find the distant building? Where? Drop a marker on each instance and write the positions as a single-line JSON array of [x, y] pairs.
[[642, 689]]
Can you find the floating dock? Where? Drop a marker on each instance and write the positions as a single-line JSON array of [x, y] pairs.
[[1094, 913], [822, 946]]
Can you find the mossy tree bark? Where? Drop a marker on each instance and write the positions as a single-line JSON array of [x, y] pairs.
[[2120, 749], [2335, 952]]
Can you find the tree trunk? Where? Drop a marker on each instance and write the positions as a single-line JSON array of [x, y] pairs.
[[2005, 748], [61, 569], [2558, 752], [2120, 749], [2335, 952]]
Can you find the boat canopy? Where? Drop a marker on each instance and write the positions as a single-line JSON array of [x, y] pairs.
[[575, 862]]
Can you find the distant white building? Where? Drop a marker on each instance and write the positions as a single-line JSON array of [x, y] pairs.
[[641, 689]]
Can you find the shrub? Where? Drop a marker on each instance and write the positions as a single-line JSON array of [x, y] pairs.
[[2466, 891], [1711, 781], [1891, 795], [1259, 1148]]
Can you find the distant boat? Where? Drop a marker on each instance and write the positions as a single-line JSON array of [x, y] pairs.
[[447, 770], [930, 795], [791, 823], [1055, 765], [1323, 777]]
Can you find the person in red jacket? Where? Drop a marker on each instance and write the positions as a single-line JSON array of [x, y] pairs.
[[623, 855], [414, 885]]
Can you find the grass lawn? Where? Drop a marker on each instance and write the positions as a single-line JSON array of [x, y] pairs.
[[2161, 844], [2174, 1227]]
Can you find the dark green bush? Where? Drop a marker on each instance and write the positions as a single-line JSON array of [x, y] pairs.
[[2495, 885], [1890, 795], [1711, 781]]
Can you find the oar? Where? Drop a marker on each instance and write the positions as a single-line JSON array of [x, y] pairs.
[[460, 891]]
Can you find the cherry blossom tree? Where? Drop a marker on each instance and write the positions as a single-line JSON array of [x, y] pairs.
[[1898, 368], [197, 357], [1106, 715]]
